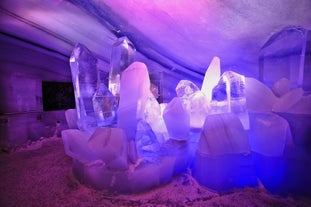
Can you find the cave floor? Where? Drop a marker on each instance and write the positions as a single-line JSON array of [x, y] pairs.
[[41, 175]]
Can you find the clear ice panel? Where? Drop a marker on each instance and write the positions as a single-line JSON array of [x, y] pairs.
[[122, 55], [83, 66], [283, 55]]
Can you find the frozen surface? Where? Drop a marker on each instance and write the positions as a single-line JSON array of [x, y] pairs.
[[83, 66], [223, 134], [122, 55], [303, 106], [281, 87], [211, 78], [259, 97], [110, 145], [177, 119], [105, 106], [185, 88], [285, 102], [269, 134]]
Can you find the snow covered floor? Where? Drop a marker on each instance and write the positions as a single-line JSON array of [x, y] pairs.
[[41, 176]]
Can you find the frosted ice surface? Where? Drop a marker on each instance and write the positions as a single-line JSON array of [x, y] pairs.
[[71, 118], [285, 102], [223, 134], [83, 66], [177, 119], [211, 78], [122, 55], [185, 88], [110, 145], [281, 87], [303, 106], [134, 92], [198, 109], [259, 97], [75, 144], [229, 96], [105, 106], [153, 116], [269, 134]]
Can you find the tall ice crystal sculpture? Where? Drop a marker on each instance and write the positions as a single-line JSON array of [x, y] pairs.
[[122, 55], [83, 66]]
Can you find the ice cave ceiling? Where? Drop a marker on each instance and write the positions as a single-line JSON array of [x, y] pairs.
[[181, 35]]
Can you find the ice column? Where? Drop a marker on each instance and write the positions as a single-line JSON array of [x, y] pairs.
[[122, 55], [83, 66], [229, 96]]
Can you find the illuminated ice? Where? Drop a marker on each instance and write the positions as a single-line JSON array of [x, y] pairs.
[[186, 88], [110, 145], [105, 106], [134, 93], [177, 119], [153, 116], [122, 55], [211, 78], [281, 87], [223, 134], [302, 106], [229, 96], [259, 97], [269, 134], [83, 66], [285, 102], [71, 118]]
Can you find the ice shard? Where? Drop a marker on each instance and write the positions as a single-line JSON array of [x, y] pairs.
[[229, 96], [211, 78], [177, 120], [83, 66], [122, 55], [134, 92], [105, 106]]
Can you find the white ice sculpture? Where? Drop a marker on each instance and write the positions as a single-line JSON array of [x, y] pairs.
[[269, 134], [211, 78], [194, 101], [71, 118], [258, 96], [134, 92], [110, 145], [285, 102], [223, 134], [177, 120], [281, 87]]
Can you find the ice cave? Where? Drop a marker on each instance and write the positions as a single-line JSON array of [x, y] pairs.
[[155, 103]]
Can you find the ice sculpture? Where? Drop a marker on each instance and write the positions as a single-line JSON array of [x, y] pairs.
[[258, 96], [110, 145], [194, 101], [177, 120], [134, 92], [269, 128], [285, 102], [83, 66], [281, 87], [122, 55], [223, 134], [223, 160], [71, 118], [105, 106], [283, 55], [211, 78], [229, 96]]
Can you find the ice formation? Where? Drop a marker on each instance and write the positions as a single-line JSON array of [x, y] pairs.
[[142, 144], [83, 66], [122, 55]]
